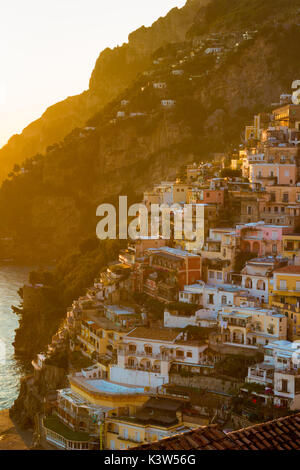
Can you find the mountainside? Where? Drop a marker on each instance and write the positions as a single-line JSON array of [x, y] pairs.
[[114, 71], [50, 203]]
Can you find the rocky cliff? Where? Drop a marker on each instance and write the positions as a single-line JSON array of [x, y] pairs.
[[50, 205], [114, 71], [33, 390]]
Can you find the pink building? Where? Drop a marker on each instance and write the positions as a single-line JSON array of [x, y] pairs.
[[264, 240], [206, 196], [273, 173]]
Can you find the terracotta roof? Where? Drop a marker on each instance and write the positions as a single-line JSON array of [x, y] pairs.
[[288, 270], [204, 438], [163, 334], [279, 434]]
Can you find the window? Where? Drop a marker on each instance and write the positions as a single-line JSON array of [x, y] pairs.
[[260, 285], [224, 300], [282, 284], [189, 354], [211, 274], [179, 353], [249, 210], [112, 445], [219, 276], [131, 361], [210, 299], [285, 197], [284, 385]]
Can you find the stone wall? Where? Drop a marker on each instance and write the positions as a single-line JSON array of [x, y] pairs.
[[216, 384]]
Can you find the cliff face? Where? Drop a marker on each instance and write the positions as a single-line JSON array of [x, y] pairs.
[[52, 206], [34, 388], [113, 73]]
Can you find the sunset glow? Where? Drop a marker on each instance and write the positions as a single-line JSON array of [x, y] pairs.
[[50, 49]]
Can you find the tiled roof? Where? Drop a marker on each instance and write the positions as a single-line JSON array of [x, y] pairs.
[[204, 438], [279, 434], [162, 334], [288, 270]]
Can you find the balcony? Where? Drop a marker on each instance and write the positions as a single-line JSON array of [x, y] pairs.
[[161, 357], [130, 439], [154, 370]]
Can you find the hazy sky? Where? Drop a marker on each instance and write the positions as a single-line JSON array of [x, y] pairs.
[[48, 49]]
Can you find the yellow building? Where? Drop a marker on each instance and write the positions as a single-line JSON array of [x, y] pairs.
[[100, 333], [285, 287], [291, 246], [157, 418], [292, 313], [79, 418], [285, 295]]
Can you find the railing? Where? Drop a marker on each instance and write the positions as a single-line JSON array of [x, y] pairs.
[[142, 369], [130, 439], [145, 354]]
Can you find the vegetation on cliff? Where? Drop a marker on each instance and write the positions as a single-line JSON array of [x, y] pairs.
[[65, 283]]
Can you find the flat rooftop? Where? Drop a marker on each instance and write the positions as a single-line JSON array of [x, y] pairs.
[[105, 387], [173, 251]]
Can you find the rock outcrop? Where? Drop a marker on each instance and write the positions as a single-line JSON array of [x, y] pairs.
[[114, 71]]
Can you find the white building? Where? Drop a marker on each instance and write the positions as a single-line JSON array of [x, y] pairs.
[[256, 275], [279, 373], [203, 317], [168, 103], [215, 297], [120, 114], [146, 354], [213, 50], [159, 85]]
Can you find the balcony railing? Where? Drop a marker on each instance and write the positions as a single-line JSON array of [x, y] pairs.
[[144, 354]]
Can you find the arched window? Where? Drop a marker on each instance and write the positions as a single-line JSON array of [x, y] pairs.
[[261, 285], [246, 246], [131, 361], [248, 283]]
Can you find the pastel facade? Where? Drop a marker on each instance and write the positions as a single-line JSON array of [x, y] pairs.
[[261, 238], [252, 327], [285, 286], [79, 420], [145, 356]]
